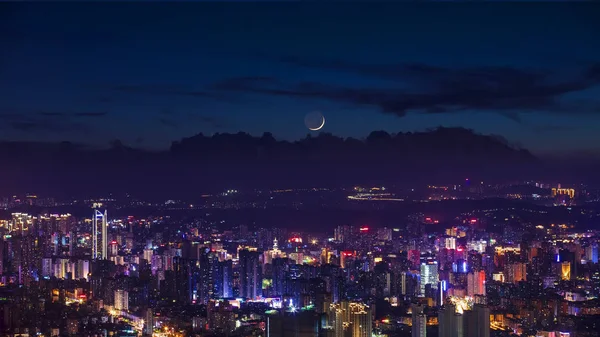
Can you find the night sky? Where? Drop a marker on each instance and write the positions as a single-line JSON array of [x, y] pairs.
[[149, 74]]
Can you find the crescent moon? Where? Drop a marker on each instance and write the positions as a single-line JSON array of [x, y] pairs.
[[320, 126]]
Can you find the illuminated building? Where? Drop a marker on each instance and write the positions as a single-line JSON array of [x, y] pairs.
[[342, 233], [476, 283], [462, 319], [450, 322], [565, 271], [103, 217], [563, 191], [269, 255], [384, 234], [20, 223], [478, 246], [148, 254], [516, 272], [361, 320], [250, 274], [429, 275], [344, 257], [224, 279], [350, 319], [325, 256], [591, 253], [2, 244], [82, 270], [419, 321], [207, 277], [114, 248], [450, 243], [221, 318], [121, 300], [498, 277], [149, 322], [298, 258], [452, 231]]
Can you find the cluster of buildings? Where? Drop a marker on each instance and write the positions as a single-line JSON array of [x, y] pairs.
[[158, 276]]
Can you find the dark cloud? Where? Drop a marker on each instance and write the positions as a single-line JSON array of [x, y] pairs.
[[168, 122], [52, 114], [25, 126], [553, 128], [90, 114], [68, 115], [216, 122], [173, 118], [45, 122], [161, 90], [419, 88]]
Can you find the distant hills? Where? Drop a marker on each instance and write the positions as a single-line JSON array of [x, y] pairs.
[[203, 163]]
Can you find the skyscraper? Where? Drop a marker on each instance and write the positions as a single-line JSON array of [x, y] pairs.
[[419, 321], [476, 283], [516, 272], [149, 322], [429, 275], [450, 322], [250, 274], [591, 253], [471, 323], [224, 279], [121, 300], [360, 317], [207, 281], [103, 254]]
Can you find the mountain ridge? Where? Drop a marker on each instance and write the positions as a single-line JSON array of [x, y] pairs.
[[202, 162]]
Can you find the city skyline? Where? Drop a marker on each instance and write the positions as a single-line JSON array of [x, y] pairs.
[[172, 71]]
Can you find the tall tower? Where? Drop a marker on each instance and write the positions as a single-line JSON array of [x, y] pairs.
[[419, 321], [103, 254], [250, 274]]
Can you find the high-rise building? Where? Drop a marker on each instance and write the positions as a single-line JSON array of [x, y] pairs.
[[274, 253], [121, 300], [591, 253], [429, 275], [102, 218], [221, 318], [207, 282], [474, 322], [361, 320], [480, 321], [1, 256], [565, 271], [516, 272], [148, 322], [476, 283], [384, 234], [224, 279], [450, 322], [450, 243], [250, 274], [419, 321]]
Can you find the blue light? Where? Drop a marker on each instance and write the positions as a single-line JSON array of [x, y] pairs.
[[557, 257], [464, 266]]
